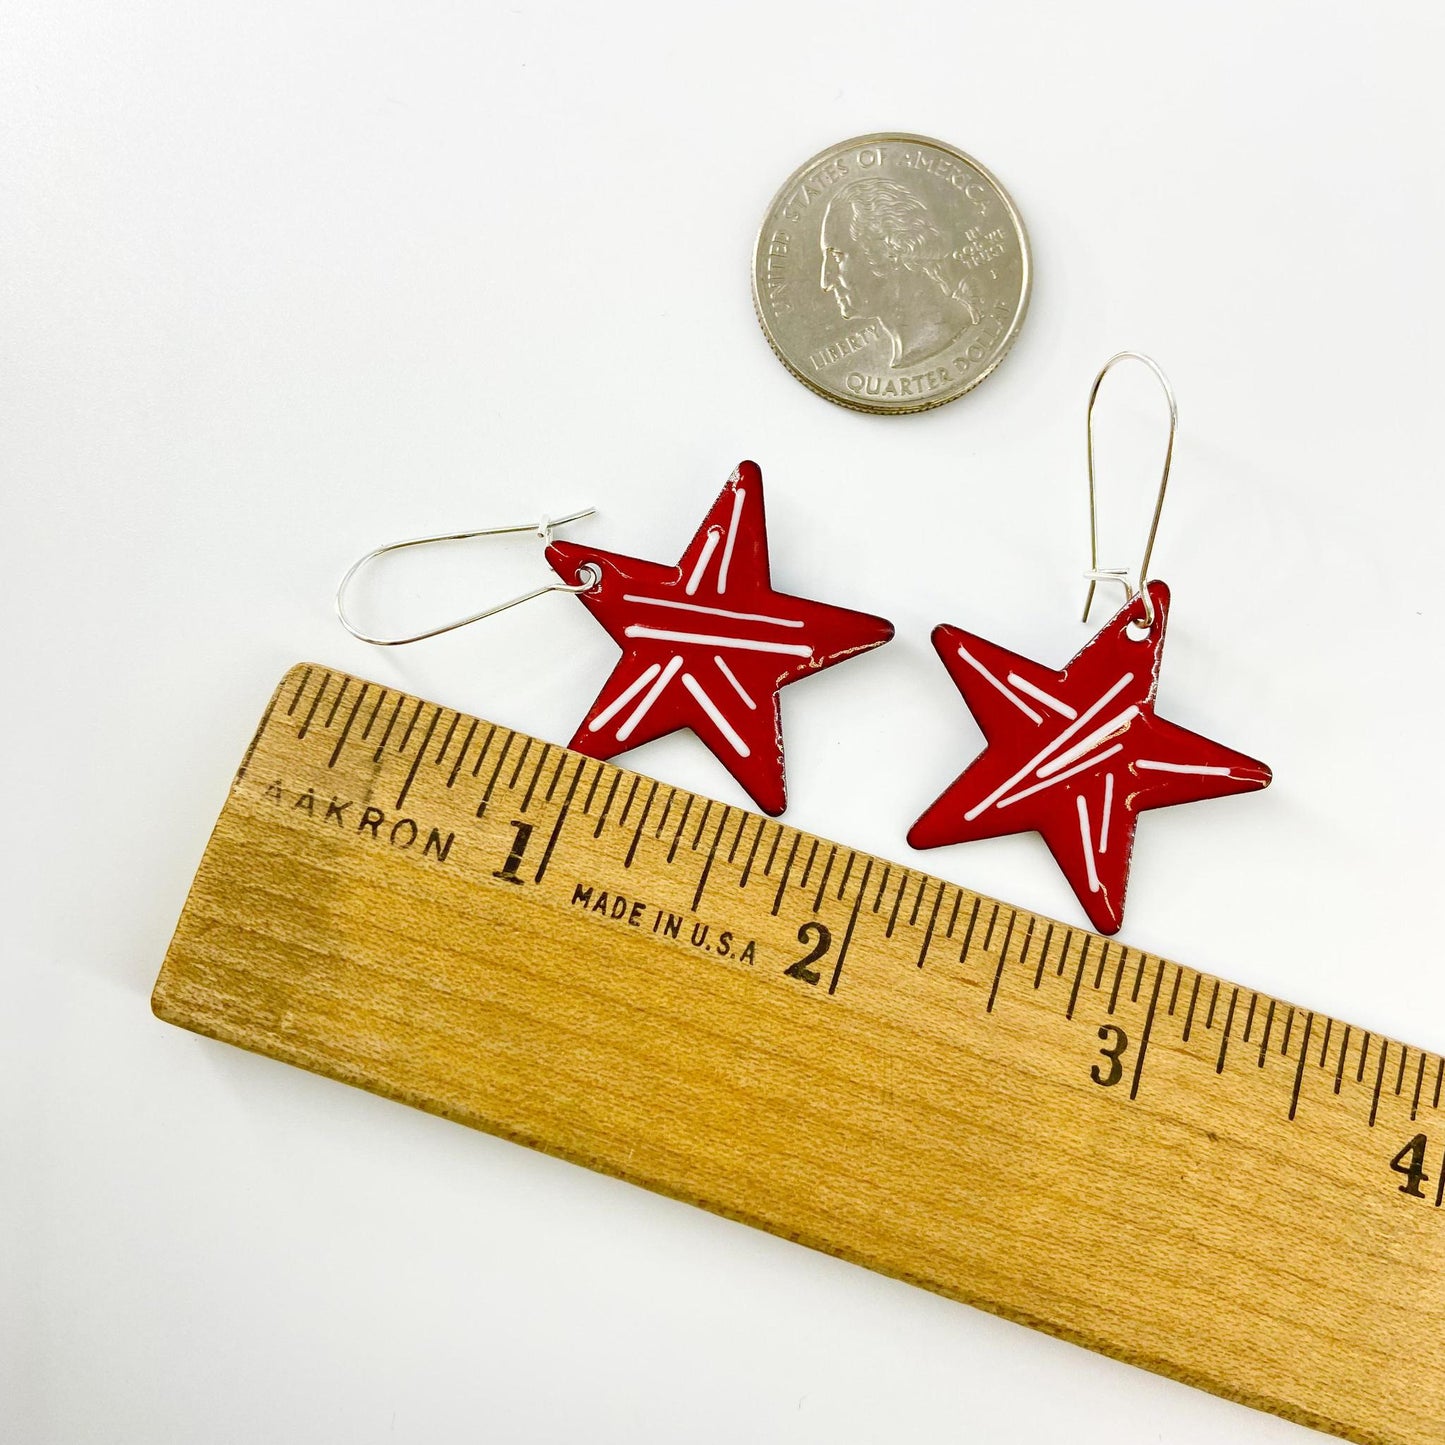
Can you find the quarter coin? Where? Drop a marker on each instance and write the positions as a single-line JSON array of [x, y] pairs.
[[891, 273]]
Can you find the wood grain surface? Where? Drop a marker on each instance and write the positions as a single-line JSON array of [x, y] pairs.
[[1175, 1170]]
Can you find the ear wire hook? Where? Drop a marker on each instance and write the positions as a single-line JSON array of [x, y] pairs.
[[1097, 574], [591, 576]]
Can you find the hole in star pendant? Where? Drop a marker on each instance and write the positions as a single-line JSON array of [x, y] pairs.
[[1137, 631]]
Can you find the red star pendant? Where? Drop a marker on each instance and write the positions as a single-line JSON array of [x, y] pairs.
[[706, 644], [1076, 754]]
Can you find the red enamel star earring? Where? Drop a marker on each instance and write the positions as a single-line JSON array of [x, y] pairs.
[[706, 643], [1078, 753]]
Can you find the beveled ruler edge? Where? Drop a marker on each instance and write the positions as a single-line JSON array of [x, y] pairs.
[[175, 1010], [1161, 1365]]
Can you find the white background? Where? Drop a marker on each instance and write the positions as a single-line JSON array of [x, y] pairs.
[[283, 281]]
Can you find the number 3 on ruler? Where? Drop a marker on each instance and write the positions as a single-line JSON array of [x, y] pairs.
[[1115, 1042]]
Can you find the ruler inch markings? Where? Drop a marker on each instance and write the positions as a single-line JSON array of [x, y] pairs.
[[953, 915], [641, 824], [897, 902], [968, 932], [417, 760], [1264, 1038], [631, 798], [390, 724], [462, 754], [447, 740], [1078, 976], [1148, 1029], [702, 825], [346, 730], [827, 871], [666, 812], [1002, 959], [296, 696], [787, 869], [708, 862], [772, 857], [1299, 1072], [381, 696], [556, 833], [1193, 999], [882, 888], [752, 854], [1104, 948], [681, 828], [808, 866], [1118, 979], [1379, 1079], [532, 782], [1228, 1024], [556, 775], [597, 777], [932, 923], [521, 762], [491, 737], [848, 932], [315, 703], [1043, 952], [486, 798], [743, 816], [338, 700], [410, 727], [917, 902]]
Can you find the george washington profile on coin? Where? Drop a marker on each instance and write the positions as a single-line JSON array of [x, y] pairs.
[[884, 258]]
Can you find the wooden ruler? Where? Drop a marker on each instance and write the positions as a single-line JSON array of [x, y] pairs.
[[1175, 1170]]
